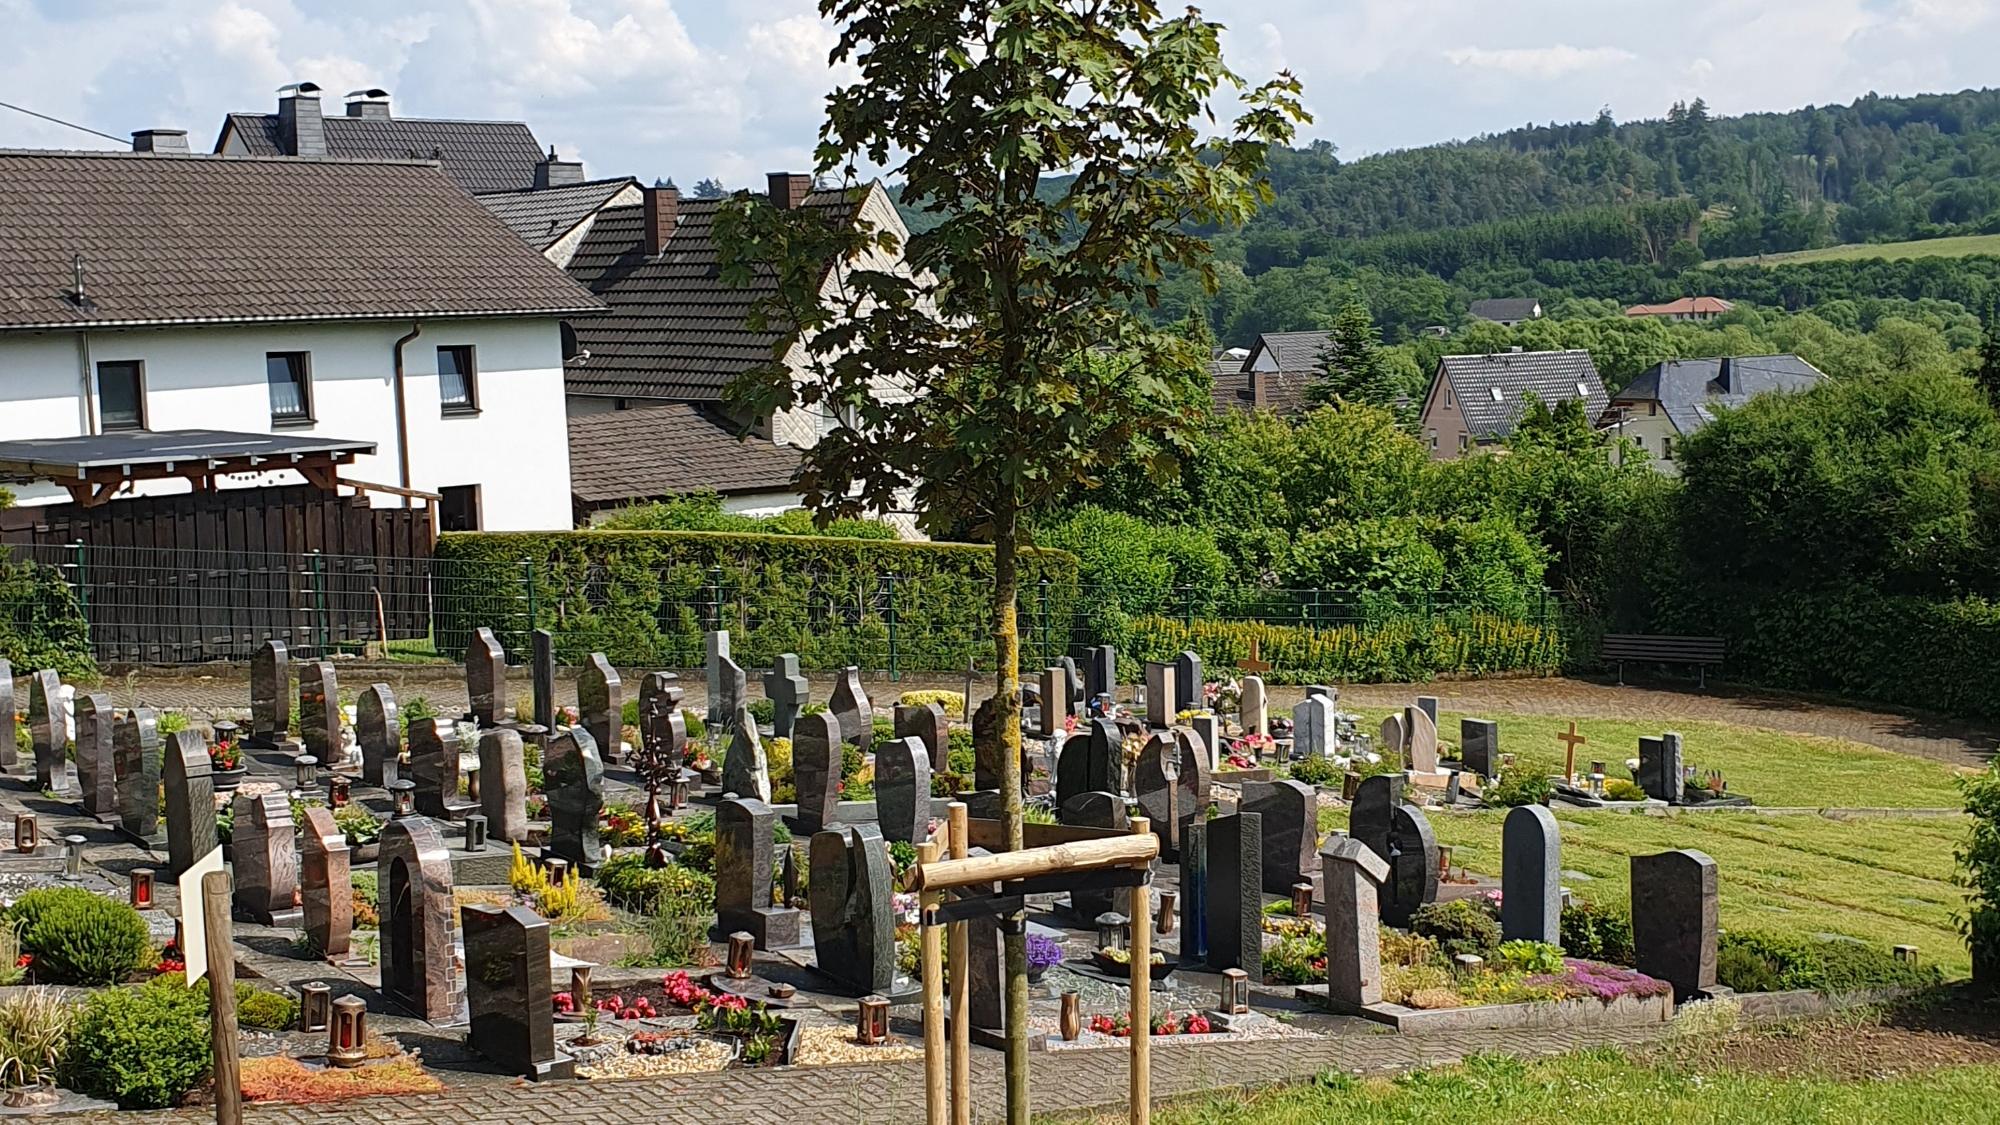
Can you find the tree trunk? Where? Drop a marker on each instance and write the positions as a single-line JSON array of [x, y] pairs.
[[1007, 713]]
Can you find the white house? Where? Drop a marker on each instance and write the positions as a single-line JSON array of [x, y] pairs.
[[371, 305], [1671, 400]]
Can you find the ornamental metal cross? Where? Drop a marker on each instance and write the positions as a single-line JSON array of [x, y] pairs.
[[1254, 663], [1573, 740]]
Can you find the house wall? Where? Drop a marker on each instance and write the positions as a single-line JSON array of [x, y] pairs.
[[1442, 423], [514, 448], [1650, 432]]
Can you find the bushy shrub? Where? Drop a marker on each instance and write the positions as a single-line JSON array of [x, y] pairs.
[[702, 511], [143, 1047], [1521, 787], [1752, 961], [1314, 770], [1298, 957], [78, 937], [1460, 926], [1404, 644], [953, 702], [35, 1028], [1531, 957], [1597, 933], [1619, 789], [261, 1007], [1979, 867], [674, 889]]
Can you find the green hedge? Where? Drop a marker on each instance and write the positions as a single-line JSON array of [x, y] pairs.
[[647, 597], [41, 623], [1394, 650]]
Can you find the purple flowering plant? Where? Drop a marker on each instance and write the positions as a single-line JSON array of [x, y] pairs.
[[1043, 952]]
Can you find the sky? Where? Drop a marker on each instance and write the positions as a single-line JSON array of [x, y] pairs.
[[732, 89]]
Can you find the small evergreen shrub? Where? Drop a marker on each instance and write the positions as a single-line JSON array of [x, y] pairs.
[[1459, 926], [953, 702], [261, 1007], [1619, 789], [78, 937], [1752, 961], [143, 1047], [1523, 787], [671, 890], [1597, 933], [1314, 770]]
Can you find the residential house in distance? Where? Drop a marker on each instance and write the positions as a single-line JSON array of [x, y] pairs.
[[1687, 308], [1671, 400], [1508, 311], [242, 327], [1476, 399], [1274, 376], [555, 217]]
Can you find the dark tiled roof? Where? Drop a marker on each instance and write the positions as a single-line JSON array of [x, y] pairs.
[[676, 330], [1284, 391], [1294, 351], [1689, 389], [542, 216], [197, 239], [1552, 377], [1505, 308], [620, 456], [482, 156]]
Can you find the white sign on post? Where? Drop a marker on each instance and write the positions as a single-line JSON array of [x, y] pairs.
[[194, 930]]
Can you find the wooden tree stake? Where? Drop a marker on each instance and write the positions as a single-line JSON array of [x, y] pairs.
[[933, 970], [1141, 950], [957, 833], [215, 896]]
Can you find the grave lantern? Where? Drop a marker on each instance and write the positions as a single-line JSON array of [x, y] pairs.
[[742, 950], [1168, 900], [1114, 930], [558, 870], [1302, 900], [1597, 778], [225, 730], [871, 1020], [315, 1006], [579, 986], [336, 795], [1350, 784], [73, 856], [26, 836], [1907, 954], [308, 767], [1235, 992], [403, 798], [475, 832], [347, 1033], [142, 888], [677, 792], [1072, 1016]]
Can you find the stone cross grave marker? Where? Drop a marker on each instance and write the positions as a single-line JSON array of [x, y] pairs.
[[136, 753], [745, 771], [503, 785], [600, 706], [419, 969], [1235, 906], [1423, 739], [903, 790], [96, 774], [378, 729], [434, 753], [1100, 672], [270, 692], [264, 850], [854, 929], [327, 885], [743, 866], [927, 723], [789, 691], [1091, 761], [542, 678], [507, 991], [1351, 874], [1290, 811], [574, 775], [190, 789], [1530, 876], [1253, 707], [1479, 745], [1190, 682], [319, 710], [816, 758], [1255, 664], [716, 644], [850, 705], [1674, 927], [486, 677], [48, 728], [1159, 696]]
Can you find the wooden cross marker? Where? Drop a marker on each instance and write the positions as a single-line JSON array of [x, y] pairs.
[[1573, 740], [1254, 663]]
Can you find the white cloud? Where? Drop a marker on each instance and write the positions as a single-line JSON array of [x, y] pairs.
[[1538, 62]]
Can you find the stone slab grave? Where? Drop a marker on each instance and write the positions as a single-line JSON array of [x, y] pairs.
[[1171, 781], [542, 678], [816, 759], [574, 778], [745, 770], [1352, 875], [1055, 706], [270, 694], [186, 776], [1194, 894], [1400, 835], [378, 731], [418, 964], [49, 732], [1290, 831], [1234, 907], [326, 885], [715, 646], [1660, 769], [789, 691], [319, 710], [1208, 729], [851, 706], [1159, 695], [135, 738], [903, 790], [486, 678], [1091, 761], [854, 927], [96, 772], [1190, 683], [1531, 876], [507, 991], [744, 862], [1093, 810], [1479, 746], [1428, 704], [1674, 921], [434, 755], [1253, 706], [1393, 739], [735, 684], [929, 724], [1100, 673], [1421, 738], [1312, 727], [600, 706], [265, 857], [503, 785]]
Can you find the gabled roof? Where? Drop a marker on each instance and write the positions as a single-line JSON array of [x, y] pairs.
[[1688, 390], [482, 156], [1686, 306], [1282, 391], [676, 330], [542, 216], [1492, 389], [1505, 308], [1293, 351], [621, 456], [179, 239]]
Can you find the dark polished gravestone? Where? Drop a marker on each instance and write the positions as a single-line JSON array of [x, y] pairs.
[[379, 732], [989, 752], [574, 777], [1093, 810], [1530, 876], [419, 970], [48, 729], [850, 705], [735, 684], [788, 690], [1674, 928], [1091, 761], [1171, 782], [270, 694], [434, 754], [903, 790], [745, 770], [816, 756], [1291, 831], [1372, 817], [503, 785], [96, 772], [1660, 770], [600, 706], [928, 724], [135, 752], [662, 726], [1235, 906], [542, 678], [1413, 866], [1100, 671], [743, 869], [1190, 682], [10, 742], [326, 885], [1194, 894], [264, 855], [187, 777], [1479, 746], [319, 709], [486, 677], [507, 992], [854, 927]]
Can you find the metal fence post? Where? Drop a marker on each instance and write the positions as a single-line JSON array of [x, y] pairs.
[[82, 557], [894, 673], [1047, 636], [319, 599], [528, 579], [715, 592]]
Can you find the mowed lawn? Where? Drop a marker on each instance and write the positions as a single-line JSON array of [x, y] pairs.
[[1956, 247], [1886, 880]]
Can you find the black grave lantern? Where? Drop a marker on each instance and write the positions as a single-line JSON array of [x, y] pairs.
[[1114, 930], [337, 791], [403, 798]]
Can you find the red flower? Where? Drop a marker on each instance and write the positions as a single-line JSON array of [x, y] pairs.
[[27, 959]]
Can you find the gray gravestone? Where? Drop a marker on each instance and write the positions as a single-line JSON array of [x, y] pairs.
[[1159, 696], [1394, 740], [929, 725], [788, 692], [270, 692], [507, 991], [1351, 874], [542, 678], [1208, 729], [1530, 876], [1172, 785], [1194, 893], [735, 686], [263, 847], [1055, 704], [1660, 768], [419, 968], [1090, 761], [1093, 810], [1312, 727], [1073, 677], [574, 776], [1372, 817], [716, 647], [816, 757], [48, 729], [1100, 672], [434, 753], [745, 771], [988, 749], [379, 731], [1190, 683], [326, 885], [1253, 707], [190, 790], [96, 774], [1413, 865], [1674, 928], [743, 870], [854, 928], [1479, 745], [600, 705], [850, 705], [1422, 735], [136, 754], [486, 677], [1290, 810], [319, 710], [903, 790], [503, 785], [10, 742], [1235, 907]]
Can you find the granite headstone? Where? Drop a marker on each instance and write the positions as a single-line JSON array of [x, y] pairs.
[[1530, 875], [816, 760], [419, 969], [327, 884], [263, 847], [96, 773], [788, 690], [574, 774], [903, 790], [1290, 811], [379, 730], [1674, 927], [190, 791], [508, 994], [1235, 907], [744, 867], [854, 928]]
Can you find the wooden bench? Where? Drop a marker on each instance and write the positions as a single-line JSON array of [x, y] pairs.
[[1654, 649]]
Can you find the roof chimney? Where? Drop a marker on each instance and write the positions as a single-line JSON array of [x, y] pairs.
[[555, 173], [372, 104], [788, 191], [160, 140], [1259, 395], [300, 130], [1723, 371], [663, 206]]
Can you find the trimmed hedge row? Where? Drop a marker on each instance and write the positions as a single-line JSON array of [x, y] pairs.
[[647, 597], [41, 623], [1390, 651]]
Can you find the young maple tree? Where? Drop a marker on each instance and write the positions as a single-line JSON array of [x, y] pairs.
[[1059, 146]]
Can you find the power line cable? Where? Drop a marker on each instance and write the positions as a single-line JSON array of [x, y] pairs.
[[68, 124]]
